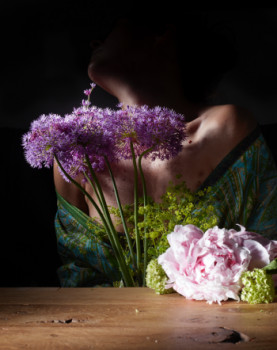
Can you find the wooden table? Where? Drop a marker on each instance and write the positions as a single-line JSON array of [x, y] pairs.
[[129, 318]]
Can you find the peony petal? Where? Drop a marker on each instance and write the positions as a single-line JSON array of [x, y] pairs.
[[169, 264], [188, 232], [259, 254], [272, 250]]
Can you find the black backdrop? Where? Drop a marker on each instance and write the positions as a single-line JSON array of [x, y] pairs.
[[44, 52]]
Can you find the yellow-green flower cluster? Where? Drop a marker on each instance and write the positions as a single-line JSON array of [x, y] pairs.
[[258, 287], [178, 206], [156, 278]]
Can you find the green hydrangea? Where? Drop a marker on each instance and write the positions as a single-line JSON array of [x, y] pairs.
[[156, 278], [258, 287]]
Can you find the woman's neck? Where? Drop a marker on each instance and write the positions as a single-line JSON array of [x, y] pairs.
[[163, 96]]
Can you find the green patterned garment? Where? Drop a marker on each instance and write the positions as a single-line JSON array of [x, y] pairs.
[[244, 185]]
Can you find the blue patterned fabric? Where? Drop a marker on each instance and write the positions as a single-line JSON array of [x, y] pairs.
[[88, 260], [244, 185]]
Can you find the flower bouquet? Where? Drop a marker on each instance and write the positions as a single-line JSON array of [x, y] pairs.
[[211, 265], [88, 141]]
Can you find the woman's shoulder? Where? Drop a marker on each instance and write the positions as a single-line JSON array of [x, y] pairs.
[[229, 122], [219, 130], [233, 116]]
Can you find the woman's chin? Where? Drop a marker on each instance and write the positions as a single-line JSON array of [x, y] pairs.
[[92, 71]]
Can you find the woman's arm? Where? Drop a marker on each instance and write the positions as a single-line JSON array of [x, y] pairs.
[[69, 191]]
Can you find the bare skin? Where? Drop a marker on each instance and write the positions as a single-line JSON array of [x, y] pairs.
[[212, 131]]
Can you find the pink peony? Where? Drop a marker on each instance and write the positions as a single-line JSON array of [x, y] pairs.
[[208, 266]]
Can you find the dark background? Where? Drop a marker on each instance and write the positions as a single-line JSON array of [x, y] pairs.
[[44, 54]]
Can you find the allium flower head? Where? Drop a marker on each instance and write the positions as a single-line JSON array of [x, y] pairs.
[[160, 129], [43, 140], [258, 287], [156, 278], [85, 138], [70, 139]]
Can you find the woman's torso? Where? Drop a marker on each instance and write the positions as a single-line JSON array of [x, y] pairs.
[[210, 137]]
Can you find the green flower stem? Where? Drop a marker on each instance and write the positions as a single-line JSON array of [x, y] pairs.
[[138, 248], [93, 186], [103, 204], [145, 202], [85, 193], [126, 231], [110, 223], [104, 217], [122, 265], [98, 190], [97, 195]]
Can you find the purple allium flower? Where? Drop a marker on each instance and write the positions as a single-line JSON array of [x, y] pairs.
[[86, 136], [86, 103], [99, 133], [87, 92], [70, 139], [42, 141], [160, 129]]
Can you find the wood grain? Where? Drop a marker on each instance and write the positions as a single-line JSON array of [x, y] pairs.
[[129, 318]]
